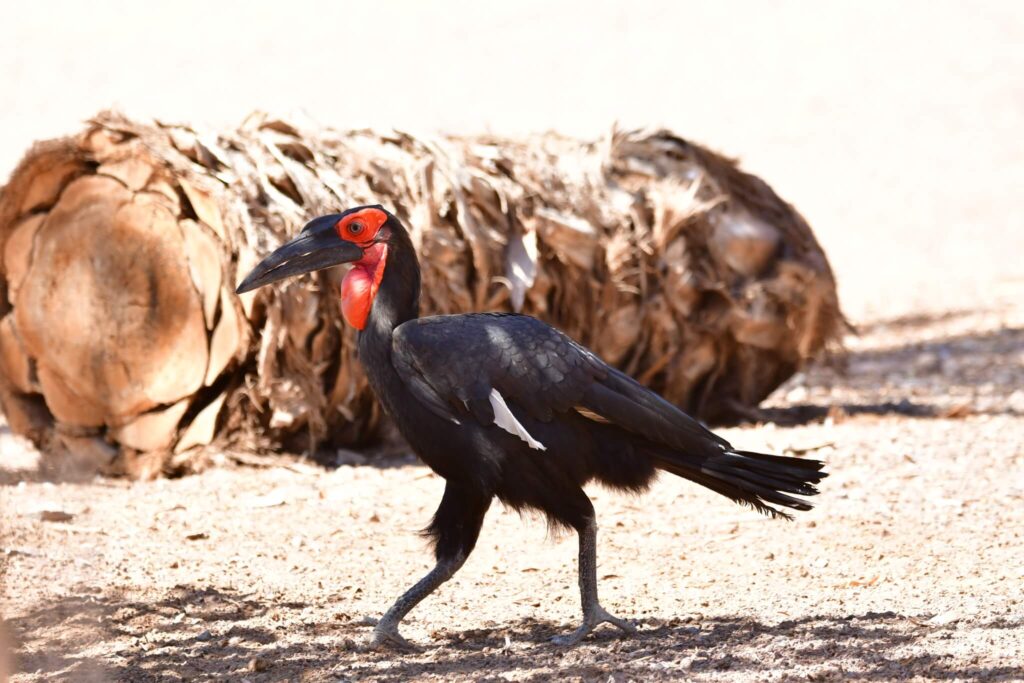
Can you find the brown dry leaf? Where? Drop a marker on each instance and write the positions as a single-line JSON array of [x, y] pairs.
[[47, 181], [573, 239], [204, 266], [67, 406], [134, 171], [205, 207], [200, 431], [55, 516], [743, 242], [18, 252], [958, 412], [862, 583], [15, 362], [225, 341], [521, 270], [152, 431]]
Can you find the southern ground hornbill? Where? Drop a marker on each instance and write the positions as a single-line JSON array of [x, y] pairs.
[[506, 406]]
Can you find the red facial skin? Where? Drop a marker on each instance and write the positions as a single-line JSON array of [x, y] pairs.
[[360, 285]]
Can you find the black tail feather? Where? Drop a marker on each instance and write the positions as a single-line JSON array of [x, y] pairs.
[[755, 479]]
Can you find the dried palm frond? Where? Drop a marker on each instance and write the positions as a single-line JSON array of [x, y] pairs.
[[120, 331]]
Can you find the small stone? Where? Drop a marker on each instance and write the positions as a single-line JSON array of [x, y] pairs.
[[204, 636], [257, 664], [927, 363]]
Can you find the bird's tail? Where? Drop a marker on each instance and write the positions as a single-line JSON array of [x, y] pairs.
[[753, 479]]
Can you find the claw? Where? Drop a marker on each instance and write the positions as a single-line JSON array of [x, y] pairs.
[[590, 622], [386, 636]]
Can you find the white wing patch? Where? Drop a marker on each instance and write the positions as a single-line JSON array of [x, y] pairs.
[[504, 418]]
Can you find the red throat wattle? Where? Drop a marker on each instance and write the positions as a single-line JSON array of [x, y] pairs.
[[360, 285]]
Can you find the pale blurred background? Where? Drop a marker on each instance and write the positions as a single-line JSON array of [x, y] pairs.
[[896, 128]]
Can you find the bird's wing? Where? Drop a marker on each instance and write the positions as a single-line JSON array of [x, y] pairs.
[[454, 363], [487, 366], [622, 400]]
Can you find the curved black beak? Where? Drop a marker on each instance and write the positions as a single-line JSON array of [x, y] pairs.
[[318, 246]]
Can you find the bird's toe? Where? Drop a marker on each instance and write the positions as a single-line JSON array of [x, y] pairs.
[[624, 625], [590, 622], [570, 639], [388, 638]]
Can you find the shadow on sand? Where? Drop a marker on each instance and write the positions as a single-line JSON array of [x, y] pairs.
[[987, 362], [151, 642]]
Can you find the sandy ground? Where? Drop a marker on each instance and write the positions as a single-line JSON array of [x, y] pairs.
[[897, 129], [909, 568]]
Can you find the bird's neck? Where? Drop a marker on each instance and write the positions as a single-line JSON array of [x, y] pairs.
[[397, 299]]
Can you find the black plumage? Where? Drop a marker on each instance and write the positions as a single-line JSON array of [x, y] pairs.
[[505, 406], [594, 421]]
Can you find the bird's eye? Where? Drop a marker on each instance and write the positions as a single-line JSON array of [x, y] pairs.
[[355, 227]]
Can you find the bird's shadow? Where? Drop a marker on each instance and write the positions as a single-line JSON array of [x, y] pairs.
[[102, 636]]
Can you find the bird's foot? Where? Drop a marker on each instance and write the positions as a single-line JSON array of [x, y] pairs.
[[590, 622], [386, 636]]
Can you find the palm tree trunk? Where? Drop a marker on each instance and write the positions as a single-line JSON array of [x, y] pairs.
[[120, 333]]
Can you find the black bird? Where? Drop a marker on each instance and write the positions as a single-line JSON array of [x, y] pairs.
[[505, 406]]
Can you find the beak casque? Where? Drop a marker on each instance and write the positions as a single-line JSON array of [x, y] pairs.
[[318, 246]]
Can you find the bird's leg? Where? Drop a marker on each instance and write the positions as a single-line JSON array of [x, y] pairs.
[[593, 613], [455, 529], [386, 632]]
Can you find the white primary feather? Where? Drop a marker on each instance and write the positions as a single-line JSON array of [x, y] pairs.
[[504, 418]]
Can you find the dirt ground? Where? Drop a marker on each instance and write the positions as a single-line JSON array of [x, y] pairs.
[[909, 568], [898, 133]]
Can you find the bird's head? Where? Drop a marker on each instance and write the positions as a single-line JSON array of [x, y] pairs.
[[360, 235]]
